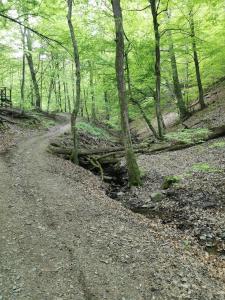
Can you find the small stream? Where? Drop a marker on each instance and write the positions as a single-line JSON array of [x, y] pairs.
[[116, 188]]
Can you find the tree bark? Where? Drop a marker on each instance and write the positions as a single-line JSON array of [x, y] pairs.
[[22, 88], [32, 71], [132, 166], [157, 67], [196, 61], [51, 85], [85, 105], [176, 82], [107, 110], [78, 83], [93, 107]]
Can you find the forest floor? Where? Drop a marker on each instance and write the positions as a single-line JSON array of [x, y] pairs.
[[63, 238]]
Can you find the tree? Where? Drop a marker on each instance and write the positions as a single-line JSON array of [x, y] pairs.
[[32, 70], [196, 60], [132, 166], [155, 14], [176, 82], [78, 82]]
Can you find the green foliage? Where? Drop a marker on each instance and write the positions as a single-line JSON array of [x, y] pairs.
[[169, 181], [95, 35], [205, 168], [189, 136], [92, 129], [220, 144]]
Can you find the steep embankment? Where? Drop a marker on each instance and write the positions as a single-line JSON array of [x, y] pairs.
[[195, 204], [212, 116]]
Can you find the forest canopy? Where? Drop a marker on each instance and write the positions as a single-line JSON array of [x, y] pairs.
[[51, 50]]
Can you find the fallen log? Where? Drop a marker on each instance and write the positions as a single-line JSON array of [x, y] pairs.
[[16, 113], [114, 154], [6, 119], [216, 132]]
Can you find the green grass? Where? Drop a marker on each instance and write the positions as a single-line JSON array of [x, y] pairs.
[[92, 130], [47, 123], [220, 144], [205, 168], [188, 136]]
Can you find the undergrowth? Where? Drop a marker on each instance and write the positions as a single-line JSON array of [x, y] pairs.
[[92, 130], [220, 144], [204, 167], [188, 136]]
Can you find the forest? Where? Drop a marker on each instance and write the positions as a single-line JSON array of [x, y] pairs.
[[112, 138]]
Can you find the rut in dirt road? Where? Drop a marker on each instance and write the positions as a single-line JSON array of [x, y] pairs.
[[63, 238]]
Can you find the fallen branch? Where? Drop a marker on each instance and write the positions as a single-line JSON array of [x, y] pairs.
[[99, 157]]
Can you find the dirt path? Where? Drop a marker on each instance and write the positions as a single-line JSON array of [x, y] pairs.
[[62, 238]]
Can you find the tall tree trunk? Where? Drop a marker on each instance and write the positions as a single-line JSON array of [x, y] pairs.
[[132, 166], [22, 88], [176, 82], [32, 71], [93, 107], [85, 105], [72, 83], [68, 98], [64, 86], [196, 61], [157, 67], [78, 82], [31, 93], [107, 110], [41, 78], [51, 85], [56, 94], [59, 94]]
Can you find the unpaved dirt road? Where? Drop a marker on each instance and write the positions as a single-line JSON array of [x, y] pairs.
[[62, 238]]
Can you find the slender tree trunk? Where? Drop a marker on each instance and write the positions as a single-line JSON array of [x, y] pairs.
[[32, 71], [132, 166], [59, 94], [93, 108], [72, 83], [196, 61], [64, 86], [68, 98], [56, 94], [107, 110], [51, 85], [176, 82], [157, 67], [41, 79], [85, 105], [32, 93], [82, 107], [22, 88], [65, 95], [78, 82]]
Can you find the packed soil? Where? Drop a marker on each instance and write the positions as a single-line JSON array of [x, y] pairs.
[[63, 238]]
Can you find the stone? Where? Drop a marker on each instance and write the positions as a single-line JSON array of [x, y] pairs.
[[209, 204], [157, 196]]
